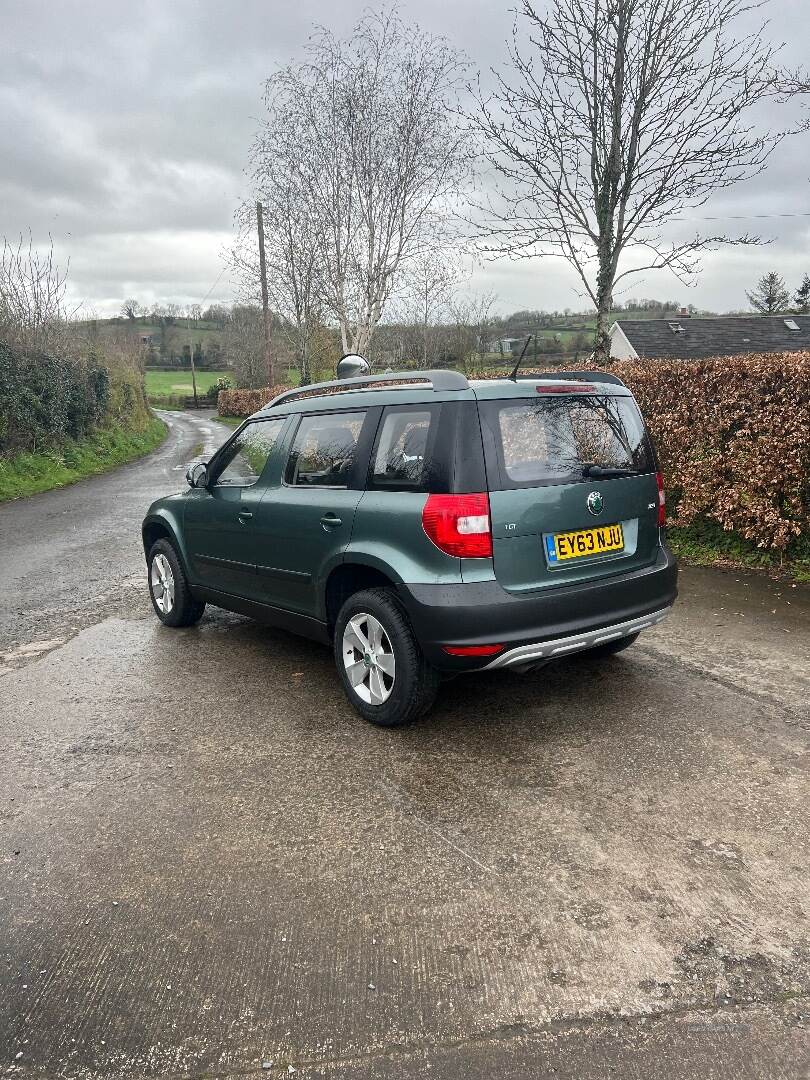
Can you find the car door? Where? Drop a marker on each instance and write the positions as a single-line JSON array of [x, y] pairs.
[[304, 524], [220, 518]]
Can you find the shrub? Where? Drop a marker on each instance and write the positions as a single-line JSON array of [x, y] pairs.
[[245, 402], [222, 383], [46, 399], [733, 434]]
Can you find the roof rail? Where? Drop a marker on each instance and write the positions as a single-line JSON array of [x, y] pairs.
[[594, 375], [440, 380]]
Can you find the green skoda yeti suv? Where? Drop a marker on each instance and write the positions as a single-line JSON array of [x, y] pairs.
[[424, 526]]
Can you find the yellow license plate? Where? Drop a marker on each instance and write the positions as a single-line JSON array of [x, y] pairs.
[[576, 545]]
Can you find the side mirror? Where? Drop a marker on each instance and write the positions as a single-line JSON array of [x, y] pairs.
[[197, 474]]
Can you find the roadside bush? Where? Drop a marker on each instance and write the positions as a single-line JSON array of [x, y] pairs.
[[46, 399], [245, 402], [733, 435], [222, 383]]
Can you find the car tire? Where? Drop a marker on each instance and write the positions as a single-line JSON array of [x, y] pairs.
[[610, 648], [384, 674], [169, 588]]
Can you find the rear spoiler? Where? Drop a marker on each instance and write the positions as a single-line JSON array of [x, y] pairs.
[[594, 376]]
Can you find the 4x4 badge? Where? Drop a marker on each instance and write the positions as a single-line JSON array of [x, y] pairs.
[[595, 502]]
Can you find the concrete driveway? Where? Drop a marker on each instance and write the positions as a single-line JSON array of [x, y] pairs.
[[209, 864]]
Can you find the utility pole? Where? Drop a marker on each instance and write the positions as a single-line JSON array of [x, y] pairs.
[[268, 355], [191, 361]]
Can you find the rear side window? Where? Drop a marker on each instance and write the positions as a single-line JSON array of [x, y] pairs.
[[550, 440], [324, 450], [402, 449]]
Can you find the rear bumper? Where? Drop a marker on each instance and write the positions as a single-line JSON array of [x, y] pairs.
[[567, 646], [554, 618]]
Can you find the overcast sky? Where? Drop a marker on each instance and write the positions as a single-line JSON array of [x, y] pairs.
[[124, 131]]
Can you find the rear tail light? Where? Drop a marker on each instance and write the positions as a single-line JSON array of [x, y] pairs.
[[473, 650], [662, 502], [459, 525]]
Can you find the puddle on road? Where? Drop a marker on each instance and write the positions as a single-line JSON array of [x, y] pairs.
[[31, 650], [16, 654]]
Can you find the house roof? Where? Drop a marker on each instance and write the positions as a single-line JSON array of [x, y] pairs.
[[722, 336]]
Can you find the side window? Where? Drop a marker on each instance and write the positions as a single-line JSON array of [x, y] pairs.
[[323, 452], [400, 460], [247, 455]]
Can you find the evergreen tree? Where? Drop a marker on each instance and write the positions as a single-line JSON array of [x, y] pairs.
[[770, 295], [802, 296]]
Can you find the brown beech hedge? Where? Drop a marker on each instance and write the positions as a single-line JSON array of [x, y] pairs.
[[733, 435], [245, 402]]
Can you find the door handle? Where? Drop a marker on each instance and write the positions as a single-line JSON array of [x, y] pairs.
[[244, 516], [330, 521]]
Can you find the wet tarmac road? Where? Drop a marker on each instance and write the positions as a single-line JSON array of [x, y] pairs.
[[208, 862]]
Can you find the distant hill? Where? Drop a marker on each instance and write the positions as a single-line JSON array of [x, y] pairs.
[[168, 341]]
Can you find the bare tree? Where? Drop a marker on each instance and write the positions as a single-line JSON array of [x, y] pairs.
[[472, 319], [377, 155], [131, 309], [771, 295], [616, 117], [427, 297], [32, 294], [244, 346], [292, 258]]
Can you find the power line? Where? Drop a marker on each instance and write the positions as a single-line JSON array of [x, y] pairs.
[[221, 275], [741, 217]]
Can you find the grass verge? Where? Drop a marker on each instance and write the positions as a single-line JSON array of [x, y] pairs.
[[705, 543], [28, 474], [231, 421]]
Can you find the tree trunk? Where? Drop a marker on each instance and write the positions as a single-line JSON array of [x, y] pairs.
[[268, 351], [604, 295], [303, 365], [601, 344]]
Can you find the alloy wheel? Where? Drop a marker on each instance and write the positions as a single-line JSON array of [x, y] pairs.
[[368, 658], [161, 579]]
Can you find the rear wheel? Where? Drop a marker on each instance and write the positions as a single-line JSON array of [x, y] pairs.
[[171, 595], [383, 671], [610, 648]]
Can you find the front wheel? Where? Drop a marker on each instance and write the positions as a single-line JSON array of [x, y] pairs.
[[171, 596], [383, 671]]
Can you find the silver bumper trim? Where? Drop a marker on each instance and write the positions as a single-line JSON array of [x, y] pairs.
[[548, 650]]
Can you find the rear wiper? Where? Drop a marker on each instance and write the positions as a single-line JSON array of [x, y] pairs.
[[596, 471]]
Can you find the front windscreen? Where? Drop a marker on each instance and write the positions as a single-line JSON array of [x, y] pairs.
[[558, 439]]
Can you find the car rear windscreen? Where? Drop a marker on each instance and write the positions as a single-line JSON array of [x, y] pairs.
[[552, 440]]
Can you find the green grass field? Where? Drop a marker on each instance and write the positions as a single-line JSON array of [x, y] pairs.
[[178, 383]]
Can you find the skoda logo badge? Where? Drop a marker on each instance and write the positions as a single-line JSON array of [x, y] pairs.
[[595, 502]]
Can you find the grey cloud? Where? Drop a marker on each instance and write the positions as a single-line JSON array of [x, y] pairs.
[[124, 132]]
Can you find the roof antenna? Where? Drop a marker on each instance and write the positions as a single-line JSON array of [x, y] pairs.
[[516, 368]]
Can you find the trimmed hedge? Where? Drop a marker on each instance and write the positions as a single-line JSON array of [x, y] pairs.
[[733, 435], [245, 402]]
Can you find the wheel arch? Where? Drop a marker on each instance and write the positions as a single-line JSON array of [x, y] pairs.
[[161, 527], [350, 577]]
